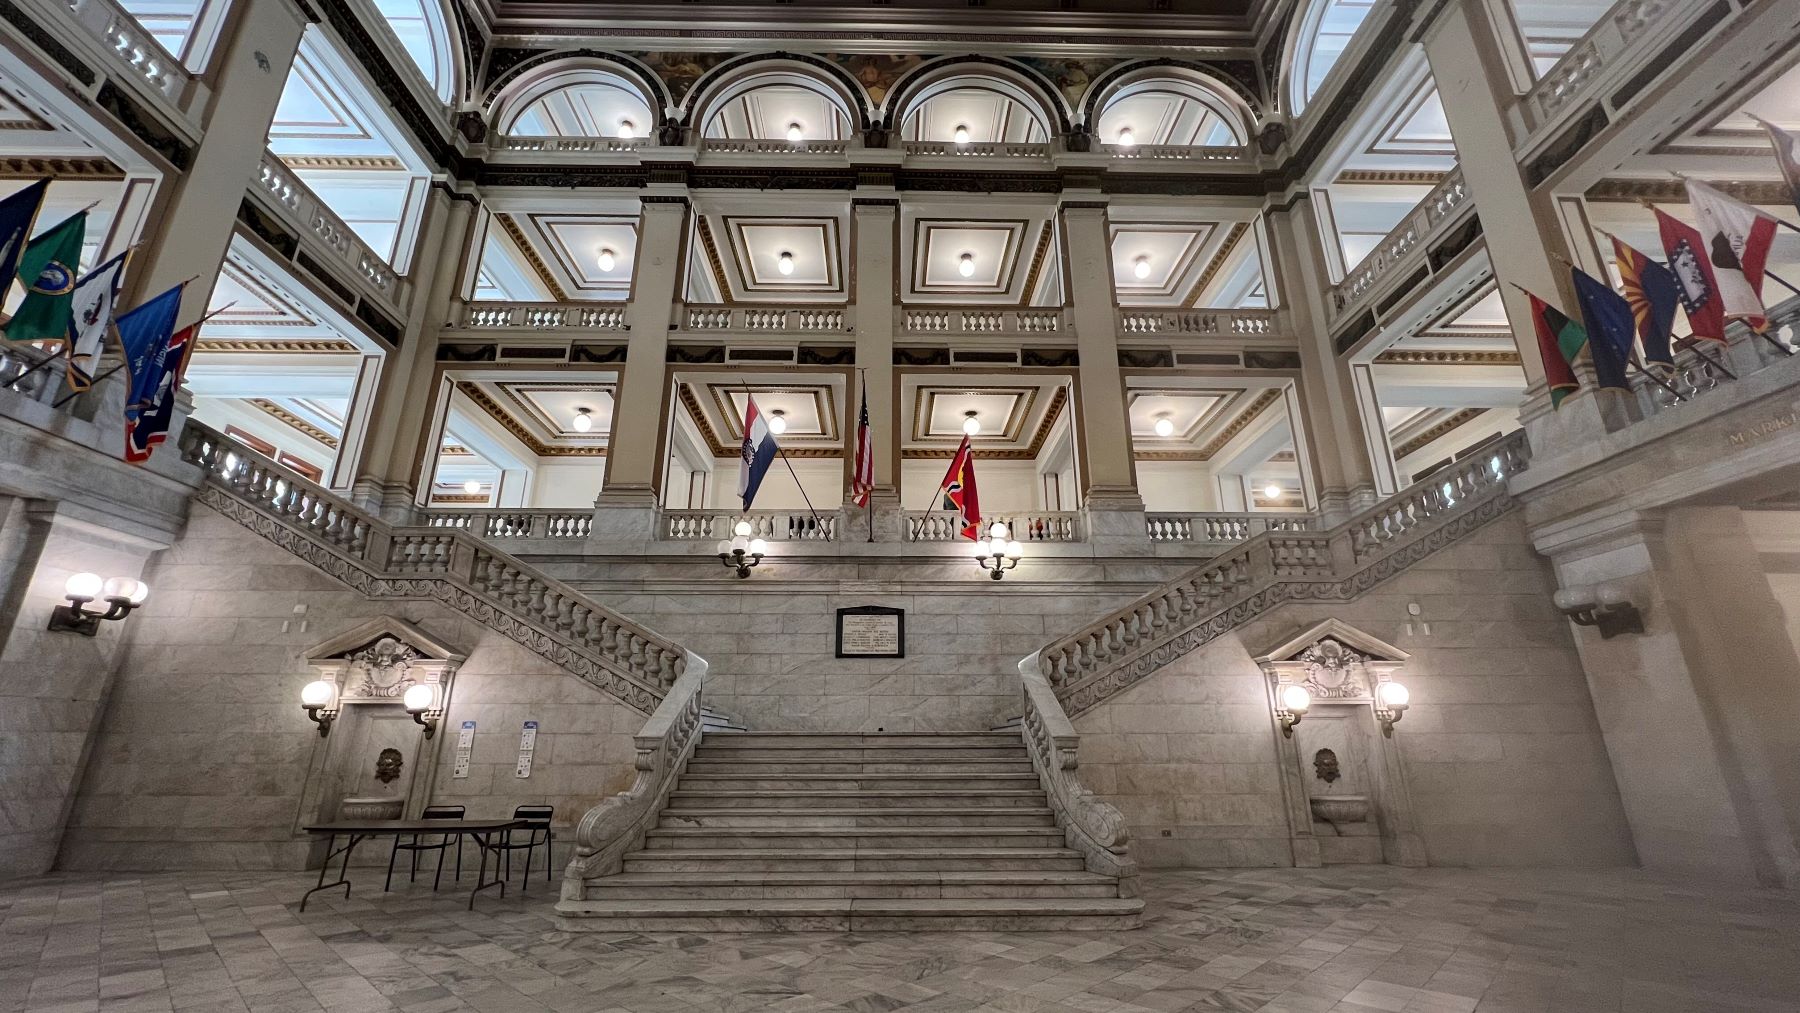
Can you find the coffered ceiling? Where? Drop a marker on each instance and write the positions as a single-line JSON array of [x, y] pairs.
[[539, 409], [809, 403], [1185, 263], [741, 245], [1015, 411], [1009, 256], [1204, 416]]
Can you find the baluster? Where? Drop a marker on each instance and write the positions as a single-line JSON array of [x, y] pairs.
[[665, 667]]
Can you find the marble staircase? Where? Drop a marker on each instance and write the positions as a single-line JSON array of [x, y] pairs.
[[804, 831]]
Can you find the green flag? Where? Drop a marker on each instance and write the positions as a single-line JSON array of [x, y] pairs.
[[47, 269]]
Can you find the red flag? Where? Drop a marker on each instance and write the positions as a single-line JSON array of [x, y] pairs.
[[862, 478], [1738, 238], [1686, 251], [959, 490], [1560, 341]]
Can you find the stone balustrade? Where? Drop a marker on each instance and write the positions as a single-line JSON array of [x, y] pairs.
[[317, 226], [1403, 245], [134, 56], [527, 316], [802, 319], [977, 149], [583, 145], [769, 525], [1213, 155], [1615, 50], [765, 146], [505, 523], [1027, 526], [1269, 569], [466, 573], [1090, 826], [917, 321], [1222, 528], [1236, 322]]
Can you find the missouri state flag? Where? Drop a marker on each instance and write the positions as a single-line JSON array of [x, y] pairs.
[[959, 490], [757, 453]]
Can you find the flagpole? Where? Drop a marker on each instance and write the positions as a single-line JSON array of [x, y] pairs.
[[1630, 360], [750, 398], [862, 380], [1693, 345], [1784, 223], [72, 395]]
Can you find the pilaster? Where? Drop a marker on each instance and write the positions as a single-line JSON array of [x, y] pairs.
[[874, 277]]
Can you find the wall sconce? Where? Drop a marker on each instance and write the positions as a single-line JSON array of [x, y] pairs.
[[421, 702], [743, 553], [1391, 700], [1603, 606], [1000, 554], [320, 701], [1291, 704], [122, 594]]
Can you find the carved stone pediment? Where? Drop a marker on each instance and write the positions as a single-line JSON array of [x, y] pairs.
[[379, 661], [1334, 661]]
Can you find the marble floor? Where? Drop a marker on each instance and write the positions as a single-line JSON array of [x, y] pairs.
[[1350, 940]]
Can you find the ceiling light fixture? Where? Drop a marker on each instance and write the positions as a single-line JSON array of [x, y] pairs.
[[472, 487], [785, 263], [1126, 137], [1272, 491], [608, 260], [796, 133], [971, 424], [627, 130], [582, 422], [1140, 268], [966, 266], [1165, 428], [778, 421], [962, 134]]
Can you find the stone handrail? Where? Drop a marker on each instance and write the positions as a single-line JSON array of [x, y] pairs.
[[138, 57], [544, 316], [772, 146], [770, 525], [1704, 366], [1403, 243], [1181, 153], [1245, 322], [504, 523], [617, 824], [1009, 320], [1275, 567], [1026, 526], [1089, 826], [1222, 528], [633, 664], [976, 149], [313, 220], [586, 145], [822, 319]]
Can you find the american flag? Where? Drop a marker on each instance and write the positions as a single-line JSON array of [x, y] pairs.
[[862, 479]]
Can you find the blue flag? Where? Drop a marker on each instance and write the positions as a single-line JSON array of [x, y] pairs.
[[1612, 330], [144, 332], [151, 426], [1653, 292], [18, 214]]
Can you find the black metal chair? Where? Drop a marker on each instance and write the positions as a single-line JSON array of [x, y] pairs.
[[539, 817], [441, 845]]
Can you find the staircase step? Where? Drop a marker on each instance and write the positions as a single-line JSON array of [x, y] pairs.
[[806, 816], [938, 781], [849, 915], [849, 838], [754, 798], [937, 859], [862, 885], [705, 766]]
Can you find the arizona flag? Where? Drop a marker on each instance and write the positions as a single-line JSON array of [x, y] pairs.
[[862, 479], [1737, 239], [758, 452], [959, 490], [1686, 250], [1653, 294]]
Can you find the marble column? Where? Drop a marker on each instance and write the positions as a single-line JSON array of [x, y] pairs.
[[390, 478], [1521, 228], [625, 510], [1115, 511], [875, 234], [193, 220], [1344, 432]]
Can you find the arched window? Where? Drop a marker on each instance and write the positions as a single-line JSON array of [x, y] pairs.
[[576, 101], [1159, 107], [423, 33], [785, 104], [1325, 32]]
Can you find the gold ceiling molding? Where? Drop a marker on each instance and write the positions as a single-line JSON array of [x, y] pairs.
[[1217, 264], [1409, 177], [713, 260], [1283, 457], [529, 252], [1242, 422], [1674, 191], [295, 422], [531, 408], [325, 346], [1437, 432], [824, 406], [1038, 259], [36, 167], [1223, 401], [499, 414], [692, 403], [1412, 357], [455, 450], [459, 497], [385, 163], [1057, 401], [1023, 400]]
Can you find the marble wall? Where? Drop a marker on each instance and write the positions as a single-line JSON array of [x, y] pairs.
[[204, 754], [1501, 749]]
